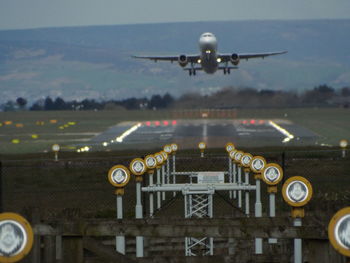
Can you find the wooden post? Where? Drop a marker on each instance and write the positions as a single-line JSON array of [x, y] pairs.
[[58, 249], [73, 249], [36, 255], [49, 249]]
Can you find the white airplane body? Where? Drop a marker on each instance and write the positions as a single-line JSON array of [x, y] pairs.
[[209, 60]]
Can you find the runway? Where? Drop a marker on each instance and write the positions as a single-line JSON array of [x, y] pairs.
[[214, 132]]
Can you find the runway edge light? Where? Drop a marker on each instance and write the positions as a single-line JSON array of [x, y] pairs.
[[56, 148], [343, 144], [202, 146]]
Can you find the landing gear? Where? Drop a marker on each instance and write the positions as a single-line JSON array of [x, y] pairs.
[[192, 70], [227, 71]]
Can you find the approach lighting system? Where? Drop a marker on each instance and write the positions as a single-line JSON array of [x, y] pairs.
[[167, 149], [297, 191], [232, 154], [174, 147], [272, 174], [159, 158], [257, 164], [165, 155], [16, 237], [150, 161], [246, 160], [238, 156], [339, 231], [137, 166], [119, 176], [229, 147]]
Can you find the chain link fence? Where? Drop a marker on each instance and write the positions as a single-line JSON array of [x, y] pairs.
[[76, 188]]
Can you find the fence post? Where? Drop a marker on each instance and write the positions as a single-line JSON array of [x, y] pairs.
[[36, 255], [73, 249]]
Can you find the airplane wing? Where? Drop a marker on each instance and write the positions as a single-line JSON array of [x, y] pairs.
[[227, 57], [190, 58]]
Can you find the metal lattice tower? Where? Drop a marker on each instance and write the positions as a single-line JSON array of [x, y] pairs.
[[199, 204]]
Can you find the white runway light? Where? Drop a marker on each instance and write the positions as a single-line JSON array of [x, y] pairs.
[[128, 132], [286, 133]]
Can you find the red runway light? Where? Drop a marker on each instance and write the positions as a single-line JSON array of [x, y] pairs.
[[148, 123], [157, 123], [245, 122], [166, 123], [252, 121], [174, 122]]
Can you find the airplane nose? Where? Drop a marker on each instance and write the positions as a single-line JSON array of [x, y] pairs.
[[207, 42]]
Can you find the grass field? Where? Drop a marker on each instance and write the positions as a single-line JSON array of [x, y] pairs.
[[79, 185], [31, 132]]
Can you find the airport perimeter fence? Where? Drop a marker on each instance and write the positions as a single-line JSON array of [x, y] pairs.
[[78, 188]]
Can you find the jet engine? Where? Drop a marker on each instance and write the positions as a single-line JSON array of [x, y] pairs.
[[234, 59], [182, 60]]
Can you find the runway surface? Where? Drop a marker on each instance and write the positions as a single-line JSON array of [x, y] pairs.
[[214, 132]]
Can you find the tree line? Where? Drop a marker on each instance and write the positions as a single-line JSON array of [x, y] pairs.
[[228, 97]]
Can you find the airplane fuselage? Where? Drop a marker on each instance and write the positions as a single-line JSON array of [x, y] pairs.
[[208, 48], [209, 60]]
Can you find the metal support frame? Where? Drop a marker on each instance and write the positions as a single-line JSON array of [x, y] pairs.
[[199, 204], [120, 240], [138, 213], [230, 175], [246, 199], [239, 183], [151, 195], [298, 250], [174, 172], [258, 213], [198, 200], [158, 193], [197, 187], [167, 178], [272, 213], [234, 175], [163, 181]]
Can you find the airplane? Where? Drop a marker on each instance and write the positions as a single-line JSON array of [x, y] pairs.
[[209, 60]]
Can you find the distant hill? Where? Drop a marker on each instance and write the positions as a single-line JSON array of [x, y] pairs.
[[95, 62]]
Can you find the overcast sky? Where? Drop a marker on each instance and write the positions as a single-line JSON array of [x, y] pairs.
[[19, 14]]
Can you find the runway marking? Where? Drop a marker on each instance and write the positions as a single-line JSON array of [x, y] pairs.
[[286, 133], [128, 132]]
